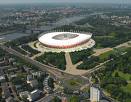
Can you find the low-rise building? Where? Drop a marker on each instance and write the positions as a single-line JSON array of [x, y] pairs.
[[34, 95], [2, 78], [11, 76], [29, 78], [18, 88], [24, 94], [37, 74], [5, 90], [33, 83], [47, 89], [10, 99]]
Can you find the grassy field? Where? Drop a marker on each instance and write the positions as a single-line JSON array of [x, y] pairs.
[[123, 75], [105, 55], [126, 77], [127, 88], [74, 82], [56, 59]]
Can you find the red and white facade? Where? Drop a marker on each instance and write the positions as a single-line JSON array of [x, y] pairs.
[[64, 40]]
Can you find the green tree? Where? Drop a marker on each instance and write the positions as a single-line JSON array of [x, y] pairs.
[[56, 99], [116, 74], [74, 99]]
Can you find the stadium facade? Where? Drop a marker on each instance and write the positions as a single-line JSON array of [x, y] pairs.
[[64, 40]]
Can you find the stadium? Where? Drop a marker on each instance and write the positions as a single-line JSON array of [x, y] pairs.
[[64, 41]]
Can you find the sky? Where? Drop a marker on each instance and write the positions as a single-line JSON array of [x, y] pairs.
[[42, 1]]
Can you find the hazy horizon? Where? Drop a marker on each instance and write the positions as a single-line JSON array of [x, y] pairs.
[[63, 1]]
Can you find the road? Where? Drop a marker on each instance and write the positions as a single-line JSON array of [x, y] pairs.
[[13, 91], [54, 71], [47, 98], [98, 67]]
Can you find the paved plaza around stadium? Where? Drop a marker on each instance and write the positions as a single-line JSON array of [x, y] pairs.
[[64, 42], [38, 46]]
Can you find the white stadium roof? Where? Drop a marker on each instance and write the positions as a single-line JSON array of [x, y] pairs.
[[52, 40]]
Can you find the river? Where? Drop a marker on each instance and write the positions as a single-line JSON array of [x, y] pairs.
[[11, 36], [64, 21]]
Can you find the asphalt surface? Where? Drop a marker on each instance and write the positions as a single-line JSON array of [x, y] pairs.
[[47, 98], [54, 71]]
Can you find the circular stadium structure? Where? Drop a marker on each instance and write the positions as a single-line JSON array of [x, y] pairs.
[[65, 41]]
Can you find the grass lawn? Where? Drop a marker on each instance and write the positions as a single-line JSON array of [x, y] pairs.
[[56, 59], [124, 49], [126, 77], [104, 36], [98, 46], [127, 88], [73, 99], [123, 75], [105, 55], [74, 82]]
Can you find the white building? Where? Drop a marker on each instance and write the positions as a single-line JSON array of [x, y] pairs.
[[94, 94], [2, 78]]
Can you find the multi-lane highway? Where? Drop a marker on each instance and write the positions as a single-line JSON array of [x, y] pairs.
[[54, 71]]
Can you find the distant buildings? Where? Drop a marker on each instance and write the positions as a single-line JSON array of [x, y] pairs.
[[94, 94]]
